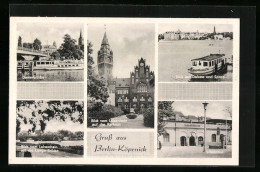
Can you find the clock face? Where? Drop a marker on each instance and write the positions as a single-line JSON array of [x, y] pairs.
[[141, 64]]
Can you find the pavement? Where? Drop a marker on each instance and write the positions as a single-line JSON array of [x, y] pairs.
[[193, 152], [124, 122]]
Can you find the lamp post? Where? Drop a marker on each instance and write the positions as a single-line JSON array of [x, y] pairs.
[[205, 119]]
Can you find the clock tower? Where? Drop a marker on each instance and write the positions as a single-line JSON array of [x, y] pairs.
[[105, 59]]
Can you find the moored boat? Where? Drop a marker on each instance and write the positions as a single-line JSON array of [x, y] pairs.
[[51, 65], [208, 65]]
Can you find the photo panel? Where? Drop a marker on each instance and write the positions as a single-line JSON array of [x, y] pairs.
[[121, 81], [49, 129], [195, 52], [50, 52], [194, 129]]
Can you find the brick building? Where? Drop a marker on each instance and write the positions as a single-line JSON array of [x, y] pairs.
[[136, 92]]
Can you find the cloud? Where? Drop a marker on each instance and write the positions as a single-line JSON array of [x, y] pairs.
[[48, 32], [129, 43], [215, 110]]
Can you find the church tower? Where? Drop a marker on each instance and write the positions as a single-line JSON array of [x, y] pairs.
[[105, 60], [214, 30], [80, 39]]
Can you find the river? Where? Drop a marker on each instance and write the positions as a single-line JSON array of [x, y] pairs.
[[175, 58], [51, 75]]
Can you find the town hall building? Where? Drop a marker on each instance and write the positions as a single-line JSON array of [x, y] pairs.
[[136, 92]]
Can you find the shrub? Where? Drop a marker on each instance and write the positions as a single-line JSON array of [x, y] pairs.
[[126, 111], [105, 112], [72, 149], [149, 117], [131, 116]]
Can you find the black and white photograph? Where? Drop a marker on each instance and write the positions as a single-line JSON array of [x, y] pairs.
[[194, 129], [121, 59], [50, 52], [49, 129], [195, 52]]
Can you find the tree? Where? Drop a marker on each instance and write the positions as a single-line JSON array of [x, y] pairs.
[[37, 44], [164, 110], [229, 111], [69, 49], [38, 113], [19, 41], [28, 45], [97, 87], [55, 55]]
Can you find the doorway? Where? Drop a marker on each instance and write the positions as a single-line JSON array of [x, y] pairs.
[[192, 141], [200, 140], [183, 141]]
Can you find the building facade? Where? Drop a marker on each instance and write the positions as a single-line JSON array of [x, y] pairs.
[[49, 48], [136, 92], [183, 133]]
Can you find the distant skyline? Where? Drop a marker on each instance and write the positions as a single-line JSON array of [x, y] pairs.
[[215, 110], [47, 33], [129, 42], [194, 27]]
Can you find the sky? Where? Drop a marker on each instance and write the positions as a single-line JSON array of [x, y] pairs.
[[194, 27], [48, 32], [129, 42], [215, 109]]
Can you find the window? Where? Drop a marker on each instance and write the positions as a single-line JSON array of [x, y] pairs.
[[209, 63], [150, 99], [142, 88], [213, 138], [119, 99], [142, 99], [194, 63], [126, 99], [166, 137], [199, 63], [134, 99], [147, 73], [205, 63]]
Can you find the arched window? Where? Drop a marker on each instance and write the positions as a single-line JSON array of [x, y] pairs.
[[166, 137], [142, 88], [213, 138], [136, 73]]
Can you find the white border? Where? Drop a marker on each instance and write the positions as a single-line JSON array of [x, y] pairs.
[[124, 161]]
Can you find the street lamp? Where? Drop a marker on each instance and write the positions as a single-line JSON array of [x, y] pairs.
[[205, 119]]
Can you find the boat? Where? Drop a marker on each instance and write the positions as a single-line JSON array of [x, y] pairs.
[[208, 65], [51, 65]]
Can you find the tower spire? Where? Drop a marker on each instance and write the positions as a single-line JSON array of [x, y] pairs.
[[105, 40]]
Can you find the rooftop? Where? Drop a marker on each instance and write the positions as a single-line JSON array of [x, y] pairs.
[[122, 82], [210, 57]]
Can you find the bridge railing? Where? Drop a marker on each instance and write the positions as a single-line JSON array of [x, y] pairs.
[[31, 50]]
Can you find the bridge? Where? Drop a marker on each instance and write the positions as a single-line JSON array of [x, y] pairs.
[[32, 52]]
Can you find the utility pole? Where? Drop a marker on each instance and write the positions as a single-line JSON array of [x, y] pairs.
[[205, 121]]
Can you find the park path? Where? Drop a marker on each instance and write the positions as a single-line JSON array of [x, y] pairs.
[[193, 152], [123, 122]]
